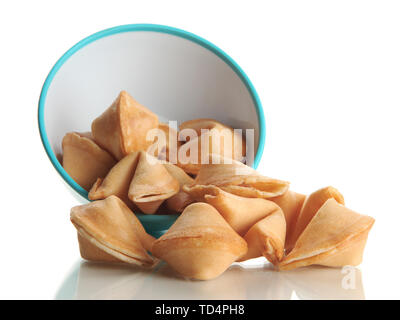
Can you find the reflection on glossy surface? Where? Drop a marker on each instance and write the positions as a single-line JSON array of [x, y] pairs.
[[325, 283], [255, 279]]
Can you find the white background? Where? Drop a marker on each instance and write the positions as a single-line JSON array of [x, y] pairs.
[[327, 73]]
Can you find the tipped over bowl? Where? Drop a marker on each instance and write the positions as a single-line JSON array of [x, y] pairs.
[[174, 73]]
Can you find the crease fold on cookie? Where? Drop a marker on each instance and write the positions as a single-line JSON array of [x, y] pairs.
[[117, 181], [84, 160], [151, 184], [181, 200], [235, 177], [310, 207], [291, 203], [267, 237]]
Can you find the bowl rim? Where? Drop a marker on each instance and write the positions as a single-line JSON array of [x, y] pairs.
[[133, 28]]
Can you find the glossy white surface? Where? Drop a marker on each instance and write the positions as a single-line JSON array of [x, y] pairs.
[[251, 280], [328, 76]]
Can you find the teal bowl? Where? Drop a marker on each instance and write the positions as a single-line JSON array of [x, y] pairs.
[[178, 75]]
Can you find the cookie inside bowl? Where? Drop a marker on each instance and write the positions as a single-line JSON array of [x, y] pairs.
[[175, 74]]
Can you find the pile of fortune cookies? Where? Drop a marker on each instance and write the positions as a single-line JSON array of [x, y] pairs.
[[228, 212]]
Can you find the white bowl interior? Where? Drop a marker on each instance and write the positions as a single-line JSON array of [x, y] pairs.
[[176, 78]]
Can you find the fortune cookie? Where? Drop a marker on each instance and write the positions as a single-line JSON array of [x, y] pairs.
[[311, 205], [335, 236], [84, 160], [235, 177], [200, 244], [181, 200], [151, 184], [212, 137], [117, 181], [124, 126], [109, 231]]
